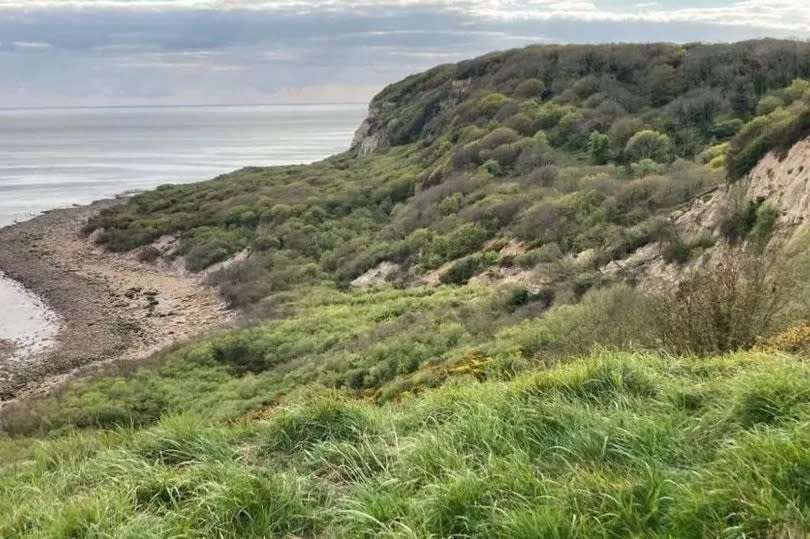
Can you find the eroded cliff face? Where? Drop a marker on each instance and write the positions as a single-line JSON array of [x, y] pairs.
[[375, 132], [782, 182], [385, 117]]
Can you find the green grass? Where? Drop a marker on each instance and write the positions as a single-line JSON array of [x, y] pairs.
[[612, 445]]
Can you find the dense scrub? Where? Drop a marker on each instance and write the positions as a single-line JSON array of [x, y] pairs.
[[573, 149], [382, 346], [785, 122]]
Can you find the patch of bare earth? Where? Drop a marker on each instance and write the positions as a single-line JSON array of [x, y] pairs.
[[112, 307]]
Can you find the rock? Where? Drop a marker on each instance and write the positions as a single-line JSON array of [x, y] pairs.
[[376, 276]]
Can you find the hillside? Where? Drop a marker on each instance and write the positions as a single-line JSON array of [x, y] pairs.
[[557, 291]]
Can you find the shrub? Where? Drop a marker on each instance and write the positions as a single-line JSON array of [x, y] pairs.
[[493, 167], [769, 104], [647, 167], [451, 204], [148, 254], [649, 144], [463, 270], [533, 157], [499, 137], [798, 89], [203, 256], [520, 123], [676, 250], [726, 129], [622, 131], [722, 309], [754, 221], [599, 148], [492, 103], [544, 176], [517, 298], [549, 252], [530, 88], [776, 132], [763, 227]]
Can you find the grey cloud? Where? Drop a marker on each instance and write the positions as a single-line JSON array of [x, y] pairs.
[[108, 56]]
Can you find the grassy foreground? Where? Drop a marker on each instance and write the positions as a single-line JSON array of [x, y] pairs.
[[613, 445]]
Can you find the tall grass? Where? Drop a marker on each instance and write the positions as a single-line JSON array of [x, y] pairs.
[[613, 445]]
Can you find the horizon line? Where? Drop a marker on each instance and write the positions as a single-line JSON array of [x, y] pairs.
[[188, 105]]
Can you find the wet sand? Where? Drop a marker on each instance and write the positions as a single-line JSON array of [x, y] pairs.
[[110, 306], [26, 324]]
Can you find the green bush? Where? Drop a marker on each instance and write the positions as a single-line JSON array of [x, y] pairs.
[[721, 310], [492, 103], [530, 88], [676, 251], [599, 148], [754, 221], [203, 256], [648, 144], [775, 132], [463, 270], [493, 168]]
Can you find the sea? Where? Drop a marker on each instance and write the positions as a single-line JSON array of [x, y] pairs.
[[58, 157]]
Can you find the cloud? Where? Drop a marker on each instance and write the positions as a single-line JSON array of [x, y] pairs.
[[160, 51], [31, 45], [791, 15]]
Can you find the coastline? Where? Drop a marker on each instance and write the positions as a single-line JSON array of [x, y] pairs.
[[111, 307]]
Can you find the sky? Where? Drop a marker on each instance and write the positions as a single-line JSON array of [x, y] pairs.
[[163, 52]]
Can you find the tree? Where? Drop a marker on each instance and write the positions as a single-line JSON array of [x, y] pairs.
[[664, 84], [530, 88], [798, 89], [649, 144], [599, 148], [572, 130], [623, 130], [742, 101]]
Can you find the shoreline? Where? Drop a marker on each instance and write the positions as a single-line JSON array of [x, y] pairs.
[[110, 306]]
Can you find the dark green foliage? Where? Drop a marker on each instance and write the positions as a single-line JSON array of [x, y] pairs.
[[599, 148], [776, 132], [754, 221], [727, 128], [518, 297], [676, 251], [461, 271]]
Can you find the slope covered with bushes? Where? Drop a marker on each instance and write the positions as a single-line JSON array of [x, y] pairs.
[[543, 399], [566, 149]]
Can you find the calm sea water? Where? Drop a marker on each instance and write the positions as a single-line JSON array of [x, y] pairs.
[[52, 158]]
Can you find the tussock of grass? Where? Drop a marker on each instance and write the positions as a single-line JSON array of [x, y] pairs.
[[613, 445]]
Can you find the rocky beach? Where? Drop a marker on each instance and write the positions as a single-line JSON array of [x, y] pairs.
[[111, 307]]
